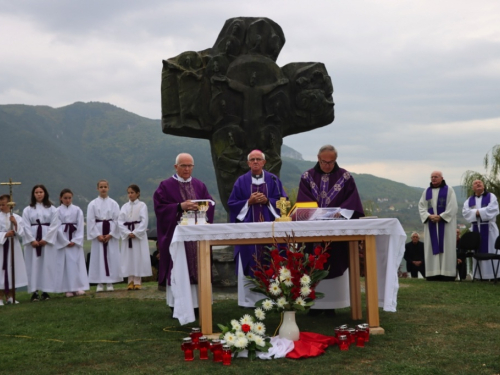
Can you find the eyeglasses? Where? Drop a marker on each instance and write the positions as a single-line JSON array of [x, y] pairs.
[[255, 159], [323, 162], [184, 166]]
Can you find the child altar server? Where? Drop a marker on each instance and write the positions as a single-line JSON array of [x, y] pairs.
[[103, 231], [11, 229], [43, 260], [75, 280], [133, 222]]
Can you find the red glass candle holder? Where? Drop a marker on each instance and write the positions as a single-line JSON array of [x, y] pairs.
[[360, 341], [203, 346], [216, 349], [226, 355], [367, 331], [343, 343], [187, 348], [351, 336], [195, 336]]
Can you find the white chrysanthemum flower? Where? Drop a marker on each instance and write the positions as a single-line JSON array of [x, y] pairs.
[[236, 326], [281, 302], [305, 280], [284, 273], [267, 304], [259, 313], [305, 291], [275, 289], [230, 338], [246, 319], [300, 301], [250, 336], [259, 341], [288, 281], [239, 334], [241, 342], [259, 328]]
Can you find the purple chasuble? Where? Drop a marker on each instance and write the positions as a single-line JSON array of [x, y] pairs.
[[242, 189], [334, 189], [436, 231], [167, 197], [481, 227]]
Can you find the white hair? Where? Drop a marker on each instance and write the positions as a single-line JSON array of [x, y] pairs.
[[182, 154], [263, 156], [328, 148]]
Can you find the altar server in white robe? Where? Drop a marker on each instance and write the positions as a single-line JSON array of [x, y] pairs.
[[43, 258], [438, 212], [75, 280], [103, 231], [133, 223], [481, 210], [7, 235]]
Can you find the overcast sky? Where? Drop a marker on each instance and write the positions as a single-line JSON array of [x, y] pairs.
[[417, 83]]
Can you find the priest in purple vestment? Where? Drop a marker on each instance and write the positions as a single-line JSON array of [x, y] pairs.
[[253, 199], [172, 197], [332, 186]]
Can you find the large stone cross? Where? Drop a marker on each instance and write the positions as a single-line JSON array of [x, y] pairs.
[[235, 95]]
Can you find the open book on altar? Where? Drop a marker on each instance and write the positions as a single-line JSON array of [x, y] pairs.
[[309, 211]]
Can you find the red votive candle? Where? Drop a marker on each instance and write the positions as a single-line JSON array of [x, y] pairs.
[[351, 336], [216, 349], [226, 355], [195, 336], [367, 331], [187, 348], [344, 343], [203, 345]]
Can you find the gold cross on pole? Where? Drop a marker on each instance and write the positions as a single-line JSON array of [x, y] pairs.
[[10, 183], [283, 205]]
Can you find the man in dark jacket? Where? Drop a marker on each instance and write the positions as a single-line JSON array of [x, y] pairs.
[[414, 256]]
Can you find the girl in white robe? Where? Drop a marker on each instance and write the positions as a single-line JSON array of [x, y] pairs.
[[133, 222], [44, 260], [103, 231], [74, 280], [7, 235]]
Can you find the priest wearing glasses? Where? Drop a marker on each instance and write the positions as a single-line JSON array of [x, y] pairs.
[[332, 186], [253, 200], [171, 199], [438, 212]]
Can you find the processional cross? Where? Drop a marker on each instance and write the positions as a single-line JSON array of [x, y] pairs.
[[11, 204]]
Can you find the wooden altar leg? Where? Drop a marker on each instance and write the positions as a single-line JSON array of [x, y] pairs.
[[204, 287], [354, 284], [371, 286]]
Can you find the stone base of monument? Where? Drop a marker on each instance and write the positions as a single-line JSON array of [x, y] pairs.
[[223, 269]]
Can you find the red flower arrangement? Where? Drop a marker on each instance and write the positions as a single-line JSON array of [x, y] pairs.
[[290, 276]]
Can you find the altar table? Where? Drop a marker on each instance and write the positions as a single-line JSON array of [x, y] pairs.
[[384, 249]]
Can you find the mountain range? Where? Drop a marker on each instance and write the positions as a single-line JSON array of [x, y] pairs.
[[77, 145]]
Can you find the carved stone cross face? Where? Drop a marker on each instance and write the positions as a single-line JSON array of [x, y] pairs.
[[235, 95]]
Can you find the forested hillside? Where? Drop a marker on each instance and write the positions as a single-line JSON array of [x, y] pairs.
[[76, 145]]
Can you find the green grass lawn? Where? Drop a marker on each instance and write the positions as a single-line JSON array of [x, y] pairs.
[[440, 328]]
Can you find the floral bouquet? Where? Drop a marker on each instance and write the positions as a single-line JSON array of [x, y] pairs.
[[290, 277], [247, 334]]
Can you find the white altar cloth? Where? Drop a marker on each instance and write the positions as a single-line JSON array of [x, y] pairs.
[[390, 240]]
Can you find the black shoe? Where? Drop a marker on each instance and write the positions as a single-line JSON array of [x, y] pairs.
[[330, 313], [35, 297], [315, 312], [45, 296]]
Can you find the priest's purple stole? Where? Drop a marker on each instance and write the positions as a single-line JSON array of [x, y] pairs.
[[483, 226], [436, 231]]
